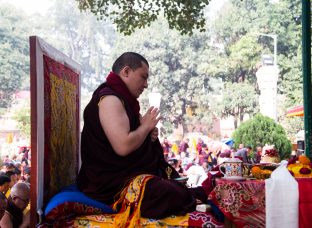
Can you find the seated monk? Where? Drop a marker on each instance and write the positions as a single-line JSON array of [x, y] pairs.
[[118, 146]]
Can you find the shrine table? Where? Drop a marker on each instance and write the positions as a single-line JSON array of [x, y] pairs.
[[243, 202]]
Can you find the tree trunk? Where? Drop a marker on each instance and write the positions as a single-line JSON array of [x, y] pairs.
[[235, 122]]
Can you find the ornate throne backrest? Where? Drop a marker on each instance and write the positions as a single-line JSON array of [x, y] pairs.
[[55, 123]]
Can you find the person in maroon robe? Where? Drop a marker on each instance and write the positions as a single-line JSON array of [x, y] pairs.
[[118, 144]]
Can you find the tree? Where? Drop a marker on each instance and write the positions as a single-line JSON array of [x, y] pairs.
[[14, 67], [175, 63], [242, 46], [82, 38], [183, 15], [262, 130], [239, 99], [22, 116]]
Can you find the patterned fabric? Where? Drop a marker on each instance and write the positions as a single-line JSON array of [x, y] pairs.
[[194, 219], [71, 202], [108, 221], [130, 203], [70, 210], [241, 202], [201, 219]]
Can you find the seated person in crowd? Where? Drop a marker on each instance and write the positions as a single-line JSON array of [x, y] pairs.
[[4, 183], [26, 176], [17, 202], [13, 176], [3, 204], [184, 145], [223, 156], [8, 166], [184, 160], [258, 153], [243, 154], [119, 146]]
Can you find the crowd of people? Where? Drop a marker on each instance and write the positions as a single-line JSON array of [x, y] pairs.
[[199, 157], [15, 190]]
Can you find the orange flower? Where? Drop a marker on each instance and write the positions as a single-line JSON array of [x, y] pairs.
[[304, 160], [256, 171]]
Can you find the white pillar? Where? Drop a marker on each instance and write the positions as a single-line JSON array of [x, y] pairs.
[[267, 77]]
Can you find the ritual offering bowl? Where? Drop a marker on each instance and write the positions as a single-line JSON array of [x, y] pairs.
[[182, 180], [232, 168]]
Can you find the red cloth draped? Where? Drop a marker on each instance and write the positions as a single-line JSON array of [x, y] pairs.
[[243, 203], [305, 202]]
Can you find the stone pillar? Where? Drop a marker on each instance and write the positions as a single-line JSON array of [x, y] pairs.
[[267, 77]]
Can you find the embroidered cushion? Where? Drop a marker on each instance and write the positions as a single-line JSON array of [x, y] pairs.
[[71, 202]]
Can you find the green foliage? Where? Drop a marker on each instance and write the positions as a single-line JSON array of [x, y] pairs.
[[263, 130], [14, 66], [175, 63], [22, 116], [183, 15], [239, 99], [81, 37], [292, 126], [243, 45]]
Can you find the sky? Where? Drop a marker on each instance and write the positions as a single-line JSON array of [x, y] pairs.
[[33, 6], [30, 6]]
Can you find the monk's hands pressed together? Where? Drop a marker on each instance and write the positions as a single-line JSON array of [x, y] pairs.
[[151, 118]]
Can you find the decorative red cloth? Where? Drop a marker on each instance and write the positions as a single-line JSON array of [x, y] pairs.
[[203, 219], [209, 183], [243, 202], [305, 202], [114, 81]]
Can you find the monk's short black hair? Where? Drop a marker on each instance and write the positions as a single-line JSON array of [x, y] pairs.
[[4, 179], [131, 59], [10, 173]]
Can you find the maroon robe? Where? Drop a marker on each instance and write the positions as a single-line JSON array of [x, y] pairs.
[[104, 173]]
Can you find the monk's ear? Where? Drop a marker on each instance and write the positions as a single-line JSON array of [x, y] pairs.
[[125, 71]]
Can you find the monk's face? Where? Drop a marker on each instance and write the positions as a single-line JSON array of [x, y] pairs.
[[136, 80]]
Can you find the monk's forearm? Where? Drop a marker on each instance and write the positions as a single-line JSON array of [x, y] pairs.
[[132, 141]]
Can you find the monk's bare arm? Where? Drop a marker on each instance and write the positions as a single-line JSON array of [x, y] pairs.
[[115, 123]]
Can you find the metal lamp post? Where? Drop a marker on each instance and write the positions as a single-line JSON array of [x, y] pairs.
[[275, 44]]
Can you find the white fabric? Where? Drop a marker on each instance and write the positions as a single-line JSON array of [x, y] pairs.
[[281, 199], [196, 175]]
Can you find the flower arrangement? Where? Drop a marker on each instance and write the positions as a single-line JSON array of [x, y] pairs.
[[259, 173], [271, 152], [304, 160], [300, 166]]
